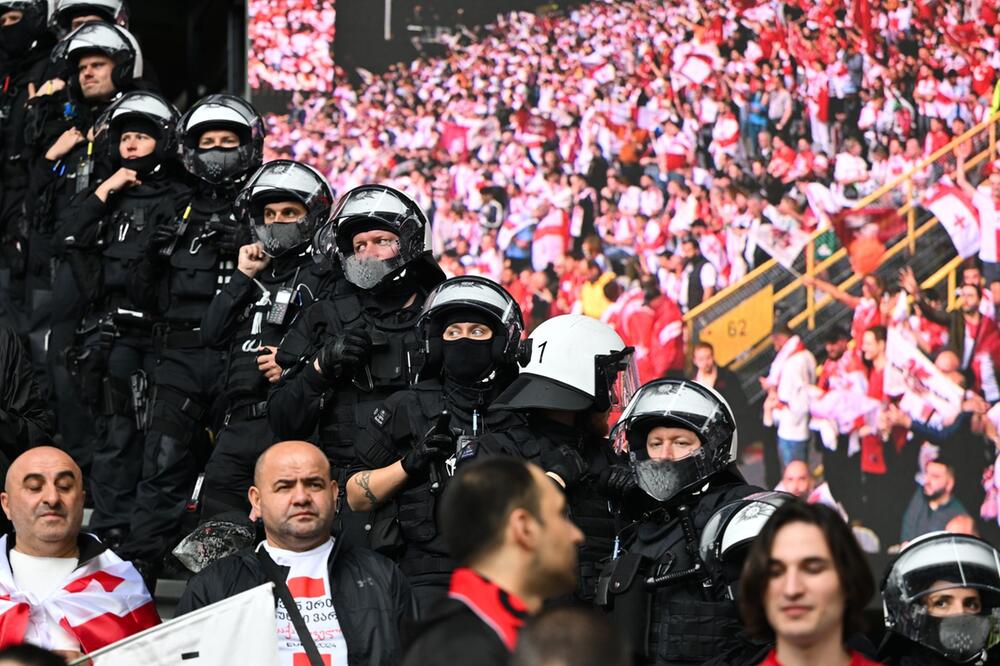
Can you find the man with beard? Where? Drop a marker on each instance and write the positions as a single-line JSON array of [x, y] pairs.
[[933, 505]]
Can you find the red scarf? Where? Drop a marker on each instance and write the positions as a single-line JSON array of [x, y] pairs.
[[857, 659], [497, 608]]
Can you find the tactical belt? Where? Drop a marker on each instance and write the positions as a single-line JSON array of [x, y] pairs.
[[164, 338], [249, 412]]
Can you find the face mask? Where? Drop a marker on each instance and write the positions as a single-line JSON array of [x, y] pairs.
[[16, 40], [963, 637], [144, 166], [218, 165], [278, 239], [467, 361]]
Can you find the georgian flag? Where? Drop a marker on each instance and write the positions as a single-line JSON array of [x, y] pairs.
[[693, 64], [102, 601], [603, 73], [957, 214]]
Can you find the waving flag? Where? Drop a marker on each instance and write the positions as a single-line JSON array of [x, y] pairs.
[[693, 64], [102, 601], [957, 215], [927, 394]]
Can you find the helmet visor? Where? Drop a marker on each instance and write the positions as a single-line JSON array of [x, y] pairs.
[[947, 563], [470, 293], [89, 37]]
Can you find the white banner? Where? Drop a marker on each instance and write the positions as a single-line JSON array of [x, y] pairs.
[[957, 215], [238, 630], [926, 392]]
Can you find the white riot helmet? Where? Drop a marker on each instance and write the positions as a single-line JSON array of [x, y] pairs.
[[574, 363], [943, 592], [676, 403], [728, 534], [112, 11]]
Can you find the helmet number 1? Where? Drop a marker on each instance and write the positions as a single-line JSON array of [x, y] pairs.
[[541, 351]]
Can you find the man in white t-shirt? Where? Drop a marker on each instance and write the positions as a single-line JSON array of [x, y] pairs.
[[986, 199], [351, 599], [47, 567]]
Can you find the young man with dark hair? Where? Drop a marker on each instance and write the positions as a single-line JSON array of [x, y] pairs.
[[805, 585], [506, 526]]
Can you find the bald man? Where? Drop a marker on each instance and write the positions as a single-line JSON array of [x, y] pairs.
[[351, 599], [48, 565]]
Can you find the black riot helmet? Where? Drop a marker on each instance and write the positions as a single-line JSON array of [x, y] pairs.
[[940, 566], [221, 166], [138, 111], [284, 180], [726, 537], [99, 38], [17, 39], [112, 11], [472, 298], [677, 403], [368, 208]]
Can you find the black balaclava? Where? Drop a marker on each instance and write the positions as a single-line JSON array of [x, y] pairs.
[[144, 166], [466, 361], [16, 40]]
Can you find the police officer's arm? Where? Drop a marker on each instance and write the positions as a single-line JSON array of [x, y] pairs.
[[294, 404], [378, 474], [77, 224], [222, 317]]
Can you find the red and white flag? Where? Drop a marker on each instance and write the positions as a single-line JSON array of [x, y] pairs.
[[102, 601], [957, 214], [784, 246], [694, 64], [927, 394]]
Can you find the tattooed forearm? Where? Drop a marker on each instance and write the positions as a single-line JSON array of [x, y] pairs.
[[364, 480]]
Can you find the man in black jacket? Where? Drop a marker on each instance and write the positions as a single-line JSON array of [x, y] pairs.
[[356, 599], [507, 527]]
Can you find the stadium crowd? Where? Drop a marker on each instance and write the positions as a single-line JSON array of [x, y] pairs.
[[414, 351]]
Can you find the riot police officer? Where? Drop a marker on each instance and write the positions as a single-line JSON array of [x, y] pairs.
[[25, 43], [104, 232], [68, 15], [100, 62], [471, 328], [681, 439], [575, 371], [187, 258], [941, 598], [282, 205], [347, 353]]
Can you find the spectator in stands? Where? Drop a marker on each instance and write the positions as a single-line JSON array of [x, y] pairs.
[[725, 381], [47, 563], [986, 199], [969, 332], [699, 276], [565, 636], [865, 307], [934, 505], [796, 480], [593, 302], [787, 384], [295, 494], [805, 585], [507, 529]]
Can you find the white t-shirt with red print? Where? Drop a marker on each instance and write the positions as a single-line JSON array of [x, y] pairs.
[[309, 582]]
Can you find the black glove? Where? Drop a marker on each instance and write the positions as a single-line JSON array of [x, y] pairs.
[[567, 463], [226, 235], [344, 352], [432, 448], [161, 236], [616, 481]]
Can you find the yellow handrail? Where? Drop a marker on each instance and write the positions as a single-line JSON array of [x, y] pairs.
[[813, 267]]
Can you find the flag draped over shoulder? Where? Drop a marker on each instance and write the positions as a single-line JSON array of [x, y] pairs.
[[102, 601]]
